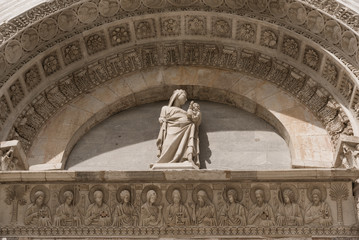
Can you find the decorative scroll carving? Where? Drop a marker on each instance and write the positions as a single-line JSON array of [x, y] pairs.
[[269, 38], [330, 73], [246, 32], [346, 87], [311, 58], [290, 47], [339, 192]]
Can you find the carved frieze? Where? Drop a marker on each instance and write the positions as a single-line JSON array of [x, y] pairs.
[[330, 72], [222, 27], [290, 47], [196, 25], [170, 26], [269, 38], [312, 58], [51, 63], [119, 34], [145, 28], [96, 42], [246, 32]]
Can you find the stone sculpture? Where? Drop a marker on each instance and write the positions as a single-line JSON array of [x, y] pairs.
[[261, 214], [151, 214], [318, 212], [38, 213], [289, 212], [350, 156], [67, 214], [125, 213], [233, 213], [98, 213], [8, 162], [178, 137], [204, 213], [176, 213]]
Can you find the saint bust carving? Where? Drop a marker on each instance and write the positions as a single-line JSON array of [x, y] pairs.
[[178, 137]]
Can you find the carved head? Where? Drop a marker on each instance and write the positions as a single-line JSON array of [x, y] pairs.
[[202, 197], [232, 195], [288, 196], [178, 98], [98, 197], [125, 196], [196, 107], [39, 198], [176, 195], [69, 196], [151, 196], [316, 196], [259, 196]]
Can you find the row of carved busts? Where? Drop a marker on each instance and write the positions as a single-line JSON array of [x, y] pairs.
[[201, 211]]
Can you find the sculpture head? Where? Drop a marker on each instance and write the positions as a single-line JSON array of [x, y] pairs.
[[151, 196], [69, 196], [176, 196], [125, 196], [259, 196], [202, 198], [178, 98], [39, 198], [316, 196], [232, 195], [288, 196], [98, 195]]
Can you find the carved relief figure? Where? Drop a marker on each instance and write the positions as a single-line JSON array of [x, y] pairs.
[[204, 213], [7, 160], [289, 213], [318, 212], [176, 213], [38, 213], [233, 213], [178, 137], [67, 214], [151, 214], [261, 214], [98, 213], [125, 213], [350, 156]]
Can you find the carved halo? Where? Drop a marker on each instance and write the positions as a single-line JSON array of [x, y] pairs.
[[180, 188], [203, 187], [322, 189], [128, 188], [234, 187], [71, 188], [291, 187], [98, 188], [41, 188], [154, 188], [262, 187]]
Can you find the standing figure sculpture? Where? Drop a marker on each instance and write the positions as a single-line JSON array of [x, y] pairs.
[[67, 214], [176, 213], [38, 213], [98, 213], [233, 213], [125, 213], [289, 213], [261, 213], [318, 212], [151, 215], [178, 137]]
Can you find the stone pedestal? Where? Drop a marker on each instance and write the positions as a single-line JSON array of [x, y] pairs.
[[174, 166]]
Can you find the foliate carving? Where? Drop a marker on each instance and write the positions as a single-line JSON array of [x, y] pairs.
[[119, 34], [67, 20], [68, 214], [98, 212], [125, 213], [311, 58], [221, 27], [278, 8], [5, 110], [38, 213], [315, 21], [149, 56], [246, 32], [196, 25], [289, 212], [13, 51], [145, 28], [96, 42], [269, 38], [171, 54], [191, 53], [71, 52], [16, 93], [297, 13], [51, 64], [47, 29], [32, 77], [151, 210], [108, 8], [15, 196], [43, 106], [290, 47], [318, 212], [68, 88], [87, 12], [330, 72], [346, 87], [261, 213], [33, 119], [257, 5], [349, 42], [56, 97], [203, 212], [29, 39], [332, 31], [176, 213], [339, 192], [170, 26], [232, 213]]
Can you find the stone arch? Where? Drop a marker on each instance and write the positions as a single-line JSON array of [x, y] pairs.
[[251, 94]]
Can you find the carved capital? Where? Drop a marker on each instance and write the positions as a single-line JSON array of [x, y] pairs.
[[12, 157]]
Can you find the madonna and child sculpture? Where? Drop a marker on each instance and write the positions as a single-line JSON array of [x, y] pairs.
[[178, 142]]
